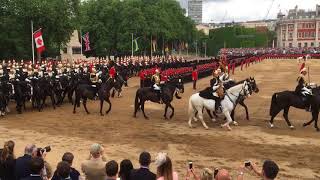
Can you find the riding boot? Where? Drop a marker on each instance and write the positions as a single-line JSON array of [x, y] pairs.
[[159, 96], [308, 104], [218, 104]]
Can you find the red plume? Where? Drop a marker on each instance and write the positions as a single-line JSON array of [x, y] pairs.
[[302, 66]]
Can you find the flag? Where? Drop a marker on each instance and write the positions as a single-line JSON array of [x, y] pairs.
[[136, 44], [39, 41], [86, 41]]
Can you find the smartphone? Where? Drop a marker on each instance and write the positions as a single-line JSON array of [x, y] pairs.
[[216, 170], [247, 163], [190, 165]]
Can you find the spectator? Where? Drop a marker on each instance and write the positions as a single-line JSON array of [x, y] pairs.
[[143, 173], [22, 169], [112, 170], [36, 168], [63, 171], [74, 174], [7, 161], [94, 167], [269, 170], [125, 169], [164, 168], [222, 174], [195, 77]]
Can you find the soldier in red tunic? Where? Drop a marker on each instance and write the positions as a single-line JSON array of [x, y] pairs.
[[194, 77]]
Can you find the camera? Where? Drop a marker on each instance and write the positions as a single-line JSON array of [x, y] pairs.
[[41, 150], [190, 165], [216, 170], [247, 164]]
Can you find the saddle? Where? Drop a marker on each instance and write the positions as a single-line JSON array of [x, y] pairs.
[[207, 93]]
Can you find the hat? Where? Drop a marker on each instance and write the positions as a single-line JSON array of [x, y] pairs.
[[303, 70], [161, 158]]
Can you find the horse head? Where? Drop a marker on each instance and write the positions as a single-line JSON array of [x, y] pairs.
[[253, 85]]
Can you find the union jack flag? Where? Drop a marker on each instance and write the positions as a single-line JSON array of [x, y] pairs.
[[86, 40]]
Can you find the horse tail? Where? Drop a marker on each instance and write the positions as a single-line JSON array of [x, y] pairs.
[[191, 108], [136, 100], [273, 103]]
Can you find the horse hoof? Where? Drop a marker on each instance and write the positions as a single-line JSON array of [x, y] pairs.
[[74, 112], [304, 125], [292, 127], [235, 123], [271, 125], [213, 120]]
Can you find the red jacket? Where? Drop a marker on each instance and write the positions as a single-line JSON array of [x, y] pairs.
[[195, 75], [112, 72], [142, 75]]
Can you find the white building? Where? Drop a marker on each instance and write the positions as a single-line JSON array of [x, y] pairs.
[[72, 50]]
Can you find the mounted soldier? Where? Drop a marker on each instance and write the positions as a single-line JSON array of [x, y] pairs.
[[156, 84], [303, 89], [217, 88]]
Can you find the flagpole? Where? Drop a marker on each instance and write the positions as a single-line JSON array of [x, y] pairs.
[[81, 41], [131, 44], [32, 45], [151, 47]]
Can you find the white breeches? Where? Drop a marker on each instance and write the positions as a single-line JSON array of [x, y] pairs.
[[156, 87]]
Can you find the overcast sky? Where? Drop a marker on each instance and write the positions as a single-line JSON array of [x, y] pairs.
[[244, 10]]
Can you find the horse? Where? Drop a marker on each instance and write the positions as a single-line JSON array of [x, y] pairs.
[[119, 82], [86, 91], [285, 99], [45, 86], [169, 89], [253, 87], [197, 103]]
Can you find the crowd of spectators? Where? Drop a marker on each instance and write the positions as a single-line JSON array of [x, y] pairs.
[[261, 51], [33, 166]]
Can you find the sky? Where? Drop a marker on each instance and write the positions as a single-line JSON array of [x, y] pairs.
[[246, 10]]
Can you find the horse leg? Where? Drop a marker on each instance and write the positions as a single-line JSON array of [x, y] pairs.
[[85, 105], [229, 120], [101, 106], [74, 107], [192, 115], [285, 115], [274, 114], [315, 115], [43, 101], [210, 115], [53, 101], [246, 108], [142, 108], [108, 101], [172, 113], [165, 112], [200, 116]]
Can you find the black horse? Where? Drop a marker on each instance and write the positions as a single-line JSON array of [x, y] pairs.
[[45, 85], [148, 94], [119, 82], [252, 88], [285, 99], [86, 91]]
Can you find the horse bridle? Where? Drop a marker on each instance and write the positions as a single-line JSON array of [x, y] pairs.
[[240, 95]]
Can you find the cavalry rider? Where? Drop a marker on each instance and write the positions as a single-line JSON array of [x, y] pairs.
[[304, 89], [156, 84], [223, 74], [217, 89]]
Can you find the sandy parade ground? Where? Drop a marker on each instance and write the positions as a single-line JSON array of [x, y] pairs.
[[296, 151]]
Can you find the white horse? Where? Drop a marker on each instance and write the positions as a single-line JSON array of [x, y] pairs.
[[303, 59], [197, 103]]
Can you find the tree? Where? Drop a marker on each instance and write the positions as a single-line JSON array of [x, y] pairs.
[[56, 18]]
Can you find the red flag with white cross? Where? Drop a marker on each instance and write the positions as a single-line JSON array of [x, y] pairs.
[[39, 41]]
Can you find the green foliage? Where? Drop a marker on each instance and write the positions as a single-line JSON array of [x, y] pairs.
[[55, 17], [237, 37], [111, 23]]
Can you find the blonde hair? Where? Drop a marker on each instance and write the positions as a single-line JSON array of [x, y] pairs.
[[165, 169], [207, 174]]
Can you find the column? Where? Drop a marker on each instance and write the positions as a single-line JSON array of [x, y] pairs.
[[295, 35], [316, 43]]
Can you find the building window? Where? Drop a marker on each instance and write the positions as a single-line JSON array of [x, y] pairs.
[[299, 34], [76, 50], [303, 25], [290, 35], [312, 44], [305, 44], [290, 45], [299, 45], [64, 50], [283, 44]]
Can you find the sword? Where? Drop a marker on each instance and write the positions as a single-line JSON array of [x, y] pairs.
[[309, 74]]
